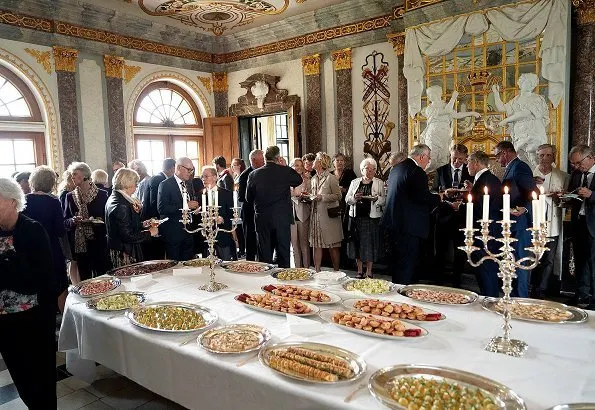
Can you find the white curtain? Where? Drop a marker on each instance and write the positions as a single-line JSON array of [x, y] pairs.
[[515, 23]]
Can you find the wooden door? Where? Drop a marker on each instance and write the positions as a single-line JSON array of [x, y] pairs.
[[221, 138], [292, 133]]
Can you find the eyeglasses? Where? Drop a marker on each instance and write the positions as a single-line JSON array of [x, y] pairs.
[[191, 170], [576, 164], [497, 154]]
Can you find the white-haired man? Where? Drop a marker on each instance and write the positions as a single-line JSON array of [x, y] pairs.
[[140, 168]]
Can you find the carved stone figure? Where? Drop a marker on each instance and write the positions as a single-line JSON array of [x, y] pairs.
[[260, 89], [438, 132], [527, 116]]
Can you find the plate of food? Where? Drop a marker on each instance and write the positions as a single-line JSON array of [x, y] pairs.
[[534, 310], [440, 295], [313, 362], [277, 305], [329, 278], [142, 268], [172, 317], [411, 386], [200, 263], [394, 310], [293, 274], [114, 302], [574, 406], [372, 325], [93, 220], [247, 267], [234, 339], [96, 286], [315, 296], [369, 286]]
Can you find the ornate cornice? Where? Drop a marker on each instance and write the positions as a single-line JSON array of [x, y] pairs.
[[585, 11], [311, 64], [398, 42], [130, 71], [417, 4], [114, 66], [65, 58], [206, 82], [220, 82], [398, 12], [22, 20], [42, 57], [342, 59]]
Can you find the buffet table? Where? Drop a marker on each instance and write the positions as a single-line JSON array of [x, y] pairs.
[[556, 369]]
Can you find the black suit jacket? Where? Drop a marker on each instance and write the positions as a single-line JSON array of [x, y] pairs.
[[495, 192], [575, 182], [124, 227], [268, 189], [225, 181], [247, 212], [169, 205], [150, 200], [409, 201], [518, 177], [444, 177]]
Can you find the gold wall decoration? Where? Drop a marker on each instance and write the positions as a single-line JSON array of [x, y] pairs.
[[114, 66], [206, 82], [311, 64], [130, 71], [42, 57], [398, 12], [65, 58], [220, 82], [417, 4], [20, 20], [398, 42], [342, 59], [585, 11]]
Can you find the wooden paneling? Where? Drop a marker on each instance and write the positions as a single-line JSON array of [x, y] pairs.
[[221, 138]]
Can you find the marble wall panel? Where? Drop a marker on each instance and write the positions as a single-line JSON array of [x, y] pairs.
[[583, 87], [116, 119], [403, 116], [344, 107], [69, 119], [221, 103], [313, 114]]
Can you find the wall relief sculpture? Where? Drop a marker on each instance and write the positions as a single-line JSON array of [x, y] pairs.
[[263, 97]]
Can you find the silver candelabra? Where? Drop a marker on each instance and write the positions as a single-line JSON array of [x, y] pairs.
[[508, 265], [210, 228]]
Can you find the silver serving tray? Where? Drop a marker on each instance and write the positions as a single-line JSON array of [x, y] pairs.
[[201, 261], [349, 304], [228, 266], [313, 308], [578, 315], [574, 406], [169, 264], [210, 317], [378, 384], [264, 336], [358, 365], [77, 288], [391, 287], [471, 296], [276, 274], [327, 315], [334, 298], [92, 304]]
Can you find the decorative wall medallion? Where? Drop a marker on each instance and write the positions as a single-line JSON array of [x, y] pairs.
[[274, 101], [215, 17], [42, 57], [220, 82], [114, 66], [342, 59], [398, 12], [65, 58], [376, 107], [398, 42], [206, 82], [130, 71], [311, 64]]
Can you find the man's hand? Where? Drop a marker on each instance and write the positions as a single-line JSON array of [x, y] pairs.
[[219, 220], [517, 211], [455, 205], [193, 204], [584, 192], [358, 196]]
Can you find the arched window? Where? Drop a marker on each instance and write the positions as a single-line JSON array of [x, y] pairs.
[[167, 123], [22, 143]]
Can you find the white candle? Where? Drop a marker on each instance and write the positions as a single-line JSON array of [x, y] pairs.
[[216, 197], [506, 203], [486, 204], [235, 199], [469, 212], [210, 194], [542, 207], [184, 200], [535, 209], [204, 200]]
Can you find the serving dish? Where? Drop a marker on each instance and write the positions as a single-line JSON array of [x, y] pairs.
[[574, 406], [142, 268], [306, 294], [535, 310], [441, 294], [381, 382], [289, 304], [394, 310], [408, 331], [252, 337], [248, 267], [296, 360], [329, 278], [95, 287], [110, 302], [200, 263], [293, 274], [209, 317], [371, 287]]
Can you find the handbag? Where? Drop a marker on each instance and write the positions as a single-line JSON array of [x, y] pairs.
[[334, 212]]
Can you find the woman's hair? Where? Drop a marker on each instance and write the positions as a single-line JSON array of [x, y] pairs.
[[80, 166], [293, 161], [324, 159], [338, 155], [309, 157], [66, 175], [125, 178], [242, 163], [366, 162], [43, 179], [138, 166], [99, 176], [10, 189]]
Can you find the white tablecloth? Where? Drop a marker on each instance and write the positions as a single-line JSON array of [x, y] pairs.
[[557, 368]]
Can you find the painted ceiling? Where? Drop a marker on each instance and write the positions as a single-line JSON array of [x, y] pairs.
[[224, 17]]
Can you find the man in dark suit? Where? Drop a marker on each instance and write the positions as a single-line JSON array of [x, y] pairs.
[[407, 211], [225, 180], [518, 177], [582, 182], [487, 272], [268, 189], [447, 222], [178, 243], [247, 212]]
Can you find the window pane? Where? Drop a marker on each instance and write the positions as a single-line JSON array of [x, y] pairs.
[[9, 93], [6, 152], [143, 148], [147, 104], [157, 150], [180, 149], [178, 120], [155, 120], [192, 149], [195, 163], [3, 110], [7, 170], [143, 115], [176, 99], [189, 118], [24, 152], [19, 108]]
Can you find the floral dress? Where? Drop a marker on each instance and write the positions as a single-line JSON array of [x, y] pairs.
[[11, 301]]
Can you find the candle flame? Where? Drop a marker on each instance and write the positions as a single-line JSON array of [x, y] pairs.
[[485, 190], [469, 198], [506, 190], [534, 194]]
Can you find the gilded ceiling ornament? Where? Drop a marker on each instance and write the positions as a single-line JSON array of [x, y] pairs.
[[220, 82], [311, 64], [65, 58], [21, 20], [398, 12], [398, 42], [114, 66], [585, 11], [206, 82], [342, 59], [42, 57], [130, 71], [416, 4]]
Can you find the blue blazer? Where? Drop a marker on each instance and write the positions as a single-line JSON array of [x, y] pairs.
[[518, 177], [169, 204], [495, 192]]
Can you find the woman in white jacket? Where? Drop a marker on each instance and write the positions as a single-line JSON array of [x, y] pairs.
[[366, 198]]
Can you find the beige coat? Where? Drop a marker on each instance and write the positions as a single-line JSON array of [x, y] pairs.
[[301, 209], [328, 187]]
